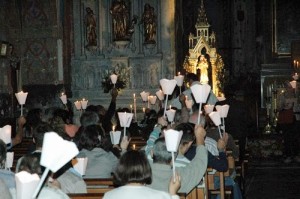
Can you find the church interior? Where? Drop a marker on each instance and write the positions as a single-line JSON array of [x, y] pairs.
[[73, 53]]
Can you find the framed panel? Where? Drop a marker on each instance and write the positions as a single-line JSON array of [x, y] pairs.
[[286, 25]]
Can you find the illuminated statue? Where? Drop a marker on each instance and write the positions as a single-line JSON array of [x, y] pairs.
[[203, 66]]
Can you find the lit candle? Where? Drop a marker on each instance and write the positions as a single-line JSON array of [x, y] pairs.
[[144, 109], [294, 63], [179, 79], [63, 98], [114, 79], [130, 108], [133, 146], [297, 64], [21, 97], [170, 107], [77, 105], [84, 103], [113, 128]]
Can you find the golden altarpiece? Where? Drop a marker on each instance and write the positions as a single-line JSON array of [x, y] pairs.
[[203, 58]]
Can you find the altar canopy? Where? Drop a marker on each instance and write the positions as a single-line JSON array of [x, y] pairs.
[[203, 58]]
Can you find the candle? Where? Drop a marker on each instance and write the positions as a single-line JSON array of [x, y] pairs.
[[170, 107], [294, 63], [63, 98], [179, 79], [133, 146], [160, 95], [130, 108], [77, 105], [144, 109], [113, 79], [148, 101], [21, 97], [134, 106], [84, 103], [113, 128]]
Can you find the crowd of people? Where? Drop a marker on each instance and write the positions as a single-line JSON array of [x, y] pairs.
[[136, 173]]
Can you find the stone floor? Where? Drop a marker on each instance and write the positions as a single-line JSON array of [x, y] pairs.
[[273, 179]]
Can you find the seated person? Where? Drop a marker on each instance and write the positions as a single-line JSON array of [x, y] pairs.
[[190, 175], [7, 177], [133, 173], [52, 188], [90, 142]]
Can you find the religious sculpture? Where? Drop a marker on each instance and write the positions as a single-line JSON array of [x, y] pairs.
[[120, 19], [90, 23], [203, 66], [149, 20]]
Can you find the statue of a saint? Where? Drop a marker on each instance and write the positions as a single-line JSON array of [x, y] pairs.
[[149, 20], [203, 66], [90, 23], [120, 19]]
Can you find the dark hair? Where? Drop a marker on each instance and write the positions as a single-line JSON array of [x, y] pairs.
[[39, 132], [89, 137], [160, 153], [89, 118], [188, 132], [31, 164], [133, 167], [63, 114], [192, 76], [2, 154]]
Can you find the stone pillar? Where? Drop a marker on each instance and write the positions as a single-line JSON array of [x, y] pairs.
[[168, 37]]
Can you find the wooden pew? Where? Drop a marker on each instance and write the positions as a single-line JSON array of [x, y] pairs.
[[99, 185], [86, 195]]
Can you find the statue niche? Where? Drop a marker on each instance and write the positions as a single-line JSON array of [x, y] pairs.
[[90, 24], [122, 26]]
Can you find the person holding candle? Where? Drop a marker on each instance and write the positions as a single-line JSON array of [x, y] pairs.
[[192, 79], [190, 175], [90, 140], [133, 173]]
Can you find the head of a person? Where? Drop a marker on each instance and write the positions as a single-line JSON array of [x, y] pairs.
[[89, 137], [89, 118], [187, 138], [39, 132], [133, 167], [63, 114], [160, 153], [34, 117], [31, 164], [2, 154], [190, 78]]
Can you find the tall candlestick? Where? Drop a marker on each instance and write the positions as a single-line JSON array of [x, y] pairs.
[[134, 107]]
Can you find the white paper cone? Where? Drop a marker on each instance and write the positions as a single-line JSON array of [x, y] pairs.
[[160, 94], [201, 92], [209, 108], [179, 80], [189, 103], [168, 86], [21, 97], [9, 159], [293, 84], [223, 110], [125, 119], [152, 99], [144, 96], [79, 164], [171, 114], [26, 184], [57, 152], [5, 134], [84, 103], [215, 117], [115, 137], [172, 138], [114, 78], [77, 105], [63, 98]]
